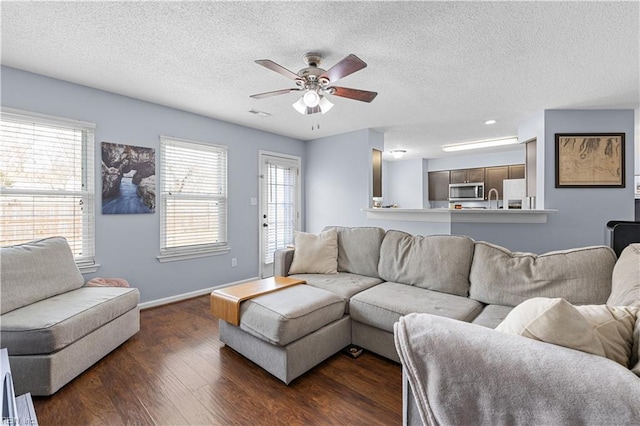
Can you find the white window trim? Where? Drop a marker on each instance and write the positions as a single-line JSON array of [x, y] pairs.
[[177, 254], [87, 264]]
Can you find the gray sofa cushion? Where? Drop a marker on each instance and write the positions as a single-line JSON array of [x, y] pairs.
[[343, 284], [286, 315], [492, 315], [581, 276], [625, 291], [625, 282], [50, 325], [359, 249], [440, 263], [381, 306], [35, 271]]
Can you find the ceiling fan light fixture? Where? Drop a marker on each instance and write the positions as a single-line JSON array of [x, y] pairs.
[[325, 104], [300, 106], [311, 98]]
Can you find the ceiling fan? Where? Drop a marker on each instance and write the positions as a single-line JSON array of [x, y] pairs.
[[316, 83]]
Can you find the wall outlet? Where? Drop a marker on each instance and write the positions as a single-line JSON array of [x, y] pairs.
[[254, 201], [234, 262]]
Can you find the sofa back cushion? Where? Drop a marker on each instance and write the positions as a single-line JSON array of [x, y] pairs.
[[359, 249], [35, 271], [437, 262], [625, 282], [581, 276]]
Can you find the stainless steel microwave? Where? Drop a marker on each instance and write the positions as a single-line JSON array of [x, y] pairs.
[[473, 191]]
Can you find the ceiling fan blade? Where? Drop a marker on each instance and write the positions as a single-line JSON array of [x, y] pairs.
[[347, 66], [274, 93], [267, 63], [358, 95]]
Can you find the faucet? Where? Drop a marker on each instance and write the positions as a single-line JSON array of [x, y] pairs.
[[489, 197]]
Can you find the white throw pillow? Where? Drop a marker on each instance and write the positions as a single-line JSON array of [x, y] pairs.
[[614, 327], [315, 254], [596, 329]]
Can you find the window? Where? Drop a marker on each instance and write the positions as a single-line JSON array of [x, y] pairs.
[[47, 182], [281, 180], [193, 204]]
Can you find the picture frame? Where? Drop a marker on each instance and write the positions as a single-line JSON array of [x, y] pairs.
[[590, 160], [128, 179]]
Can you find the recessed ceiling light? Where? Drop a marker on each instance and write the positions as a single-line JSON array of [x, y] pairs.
[[490, 122]]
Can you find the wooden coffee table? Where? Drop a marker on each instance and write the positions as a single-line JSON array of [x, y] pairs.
[[225, 302]]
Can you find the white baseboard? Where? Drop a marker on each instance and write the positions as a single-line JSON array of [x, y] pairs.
[[191, 294]]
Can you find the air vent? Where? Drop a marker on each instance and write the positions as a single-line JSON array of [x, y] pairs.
[[259, 113]]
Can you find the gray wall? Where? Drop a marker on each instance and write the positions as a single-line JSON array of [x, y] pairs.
[[338, 173], [496, 157], [339, 178], [403, 183], [127, 245], [582, 212]]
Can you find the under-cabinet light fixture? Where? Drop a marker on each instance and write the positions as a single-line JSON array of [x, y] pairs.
[[489, 143]]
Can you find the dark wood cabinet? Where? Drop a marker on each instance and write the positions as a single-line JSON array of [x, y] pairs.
[[491, 176], [516, 171], [467, 175], [438, 185], [495, 175], [493, 179]]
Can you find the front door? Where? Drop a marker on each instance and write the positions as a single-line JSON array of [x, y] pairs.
[[279, 205]]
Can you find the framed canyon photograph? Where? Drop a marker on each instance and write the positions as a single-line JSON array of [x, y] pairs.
[[590, 160], [128, 179]]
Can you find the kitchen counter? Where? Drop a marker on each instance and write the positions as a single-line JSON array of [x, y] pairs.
[[468, 215]]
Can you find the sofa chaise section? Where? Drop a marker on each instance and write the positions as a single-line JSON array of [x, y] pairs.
[[357, 263]]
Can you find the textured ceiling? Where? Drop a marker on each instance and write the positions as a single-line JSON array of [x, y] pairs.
[[441, 68]]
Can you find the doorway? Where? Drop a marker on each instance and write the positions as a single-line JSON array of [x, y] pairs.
[[279, 205]]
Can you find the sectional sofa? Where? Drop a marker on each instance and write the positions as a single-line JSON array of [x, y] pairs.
[[53, 326], [361, 281]]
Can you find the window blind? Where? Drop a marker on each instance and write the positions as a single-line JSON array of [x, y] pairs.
[[47, 181], [282, 213], [193, 197]]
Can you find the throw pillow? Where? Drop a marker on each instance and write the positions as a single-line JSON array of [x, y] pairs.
[[614, 328], [596, 329], [315, 254], [553, 321]]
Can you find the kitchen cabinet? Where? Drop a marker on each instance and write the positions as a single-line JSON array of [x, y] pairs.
[[493, 179], [516, 171], [467, 175], [438, 185], [495, 175]]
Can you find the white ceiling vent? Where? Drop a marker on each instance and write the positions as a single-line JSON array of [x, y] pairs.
[[260, 113]]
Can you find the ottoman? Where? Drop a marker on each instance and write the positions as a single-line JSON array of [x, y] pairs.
[[290, 331]]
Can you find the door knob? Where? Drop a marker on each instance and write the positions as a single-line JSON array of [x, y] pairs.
[[264, 225]]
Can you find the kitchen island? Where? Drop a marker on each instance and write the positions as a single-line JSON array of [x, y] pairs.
[[465, 215]]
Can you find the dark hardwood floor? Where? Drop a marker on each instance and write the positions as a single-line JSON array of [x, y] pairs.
[[175, 371]]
